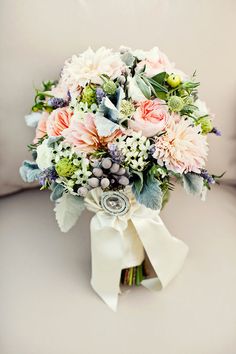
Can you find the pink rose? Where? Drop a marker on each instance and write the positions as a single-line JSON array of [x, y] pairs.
[[150, 117], [155, 62], [58, 120], [83, 134], [41, 129]]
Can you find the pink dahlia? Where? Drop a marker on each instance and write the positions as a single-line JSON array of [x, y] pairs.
[[83, 134], [58, 120], [182, 148], [150, 117]]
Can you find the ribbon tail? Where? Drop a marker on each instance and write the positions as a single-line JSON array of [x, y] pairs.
[[165, 252], [107, 257]]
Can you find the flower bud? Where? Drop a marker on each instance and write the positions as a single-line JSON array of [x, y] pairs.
[[175, 103], [173, 80], [206, 124], [65, 167], [89, 96], [109, 87]]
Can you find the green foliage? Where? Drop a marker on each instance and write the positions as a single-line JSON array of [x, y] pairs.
[[40, 103]]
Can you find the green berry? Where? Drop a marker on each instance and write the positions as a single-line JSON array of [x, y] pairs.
[[206, 124], [109, 87], [89, 95], [65, 167], [175, 103], [174, 80]]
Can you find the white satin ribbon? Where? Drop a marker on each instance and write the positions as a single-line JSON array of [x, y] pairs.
[[118, 242]]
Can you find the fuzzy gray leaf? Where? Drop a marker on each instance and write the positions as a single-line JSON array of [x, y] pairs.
[[57, 192], [151, 194], [29, 171], [193, 183], [68, 209]]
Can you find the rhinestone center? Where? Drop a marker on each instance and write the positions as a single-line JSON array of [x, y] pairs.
[[115, 203]]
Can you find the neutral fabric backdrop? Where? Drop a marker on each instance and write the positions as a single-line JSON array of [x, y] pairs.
[[37, 36], [47, 305]]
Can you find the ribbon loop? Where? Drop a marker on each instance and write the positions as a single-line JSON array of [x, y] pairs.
[[119, 241]]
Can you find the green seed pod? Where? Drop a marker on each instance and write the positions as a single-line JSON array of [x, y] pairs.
[[65, 167]]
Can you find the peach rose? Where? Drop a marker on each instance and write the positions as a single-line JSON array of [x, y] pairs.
[[41, 129], [83, 135], [150, 117], [58, 120]]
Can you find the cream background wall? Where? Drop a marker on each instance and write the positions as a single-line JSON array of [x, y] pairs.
[[37, 36]]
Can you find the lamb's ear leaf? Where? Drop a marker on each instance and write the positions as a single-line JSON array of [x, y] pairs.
[[144, 88], [68, 209], [128, 59], [138, 182], [193, 183], [29, 171], [151, 194], [32, 119], [105, 127], [57, 192], [108, 110]]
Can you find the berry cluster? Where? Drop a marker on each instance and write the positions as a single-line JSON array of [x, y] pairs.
[[106, 174]]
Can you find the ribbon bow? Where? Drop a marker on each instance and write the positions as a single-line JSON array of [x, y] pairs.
[[119, 241]]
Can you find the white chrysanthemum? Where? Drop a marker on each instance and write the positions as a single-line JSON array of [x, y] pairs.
[[88, 66], [182, 148]]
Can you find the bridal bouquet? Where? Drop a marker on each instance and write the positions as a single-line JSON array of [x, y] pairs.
[[113, 135]]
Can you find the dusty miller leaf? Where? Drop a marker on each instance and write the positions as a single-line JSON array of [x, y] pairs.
[[68, 209], [193, 183]]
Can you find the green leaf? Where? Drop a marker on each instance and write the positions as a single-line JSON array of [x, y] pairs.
[[160, 78], [157, 86], [192, 183], [145, 89]]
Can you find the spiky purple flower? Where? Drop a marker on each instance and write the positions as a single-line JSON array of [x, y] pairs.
[[100, 94], [56, 102], [47, 176], [115, 153], [216, 131], [205, 175]]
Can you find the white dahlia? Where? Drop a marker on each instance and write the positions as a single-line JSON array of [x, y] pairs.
[[88, 66], [182, 148]]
